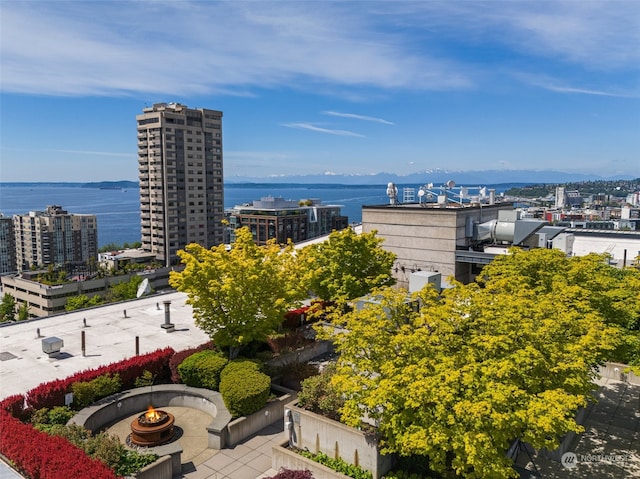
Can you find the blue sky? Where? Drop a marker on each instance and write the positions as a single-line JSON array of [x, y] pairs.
[[350, 87]]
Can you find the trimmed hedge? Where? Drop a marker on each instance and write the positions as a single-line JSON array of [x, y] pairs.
[[180, 356], [243, 365], [52, 394], [244, 391], [202, 370]]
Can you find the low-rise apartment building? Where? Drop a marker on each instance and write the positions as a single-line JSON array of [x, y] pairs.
[[274, 217]]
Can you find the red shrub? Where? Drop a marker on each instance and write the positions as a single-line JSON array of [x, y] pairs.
[[289, 342], [289, 474], [15, 406], [51, 394], [180, 356], [40, 456]]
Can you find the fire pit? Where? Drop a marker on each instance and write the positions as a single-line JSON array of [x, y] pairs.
[[152, 428]]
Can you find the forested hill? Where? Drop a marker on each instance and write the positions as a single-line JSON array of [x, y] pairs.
[[620, 188]]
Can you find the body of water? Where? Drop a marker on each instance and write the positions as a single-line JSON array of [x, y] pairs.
[[118, 210]]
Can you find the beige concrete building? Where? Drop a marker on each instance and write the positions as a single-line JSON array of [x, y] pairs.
[[54, 237], [432, 237], [45, 300], [181, 178]]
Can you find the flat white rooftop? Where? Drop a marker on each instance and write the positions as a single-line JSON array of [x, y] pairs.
[[109, 337]]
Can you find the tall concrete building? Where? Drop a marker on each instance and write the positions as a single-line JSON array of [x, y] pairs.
[[7, 245], [181, 181], [54, 237]]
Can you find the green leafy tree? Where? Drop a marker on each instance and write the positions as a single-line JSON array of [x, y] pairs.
[[82, 301], [347, 266], [7, 308], [238, 296], [124, 290], [475, 367], [23, 311]]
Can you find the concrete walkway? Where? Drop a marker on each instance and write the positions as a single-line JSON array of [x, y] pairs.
[[610, 446], [248, 460]]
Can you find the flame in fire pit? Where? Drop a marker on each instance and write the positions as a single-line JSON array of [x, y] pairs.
[[152, 415]]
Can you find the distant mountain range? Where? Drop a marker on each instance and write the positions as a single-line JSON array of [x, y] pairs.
[[437, 177]]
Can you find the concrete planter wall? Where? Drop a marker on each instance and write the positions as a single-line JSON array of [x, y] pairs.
[[616, 371], [313, 350], [160, 469], [319, 434], [283, 457], [245, 426]]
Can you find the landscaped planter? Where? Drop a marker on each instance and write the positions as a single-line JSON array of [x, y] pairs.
[[159, 469], [243, 427], [317, 433], [282, 456]]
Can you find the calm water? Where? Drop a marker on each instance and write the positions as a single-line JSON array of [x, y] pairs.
[[118, 211]]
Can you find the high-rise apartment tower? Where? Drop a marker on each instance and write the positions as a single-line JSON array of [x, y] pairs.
[[54, 237], [181, 183]]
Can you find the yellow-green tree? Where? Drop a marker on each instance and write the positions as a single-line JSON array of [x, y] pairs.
[[347, 266], [612, 292], [241, 295], [475, 368]]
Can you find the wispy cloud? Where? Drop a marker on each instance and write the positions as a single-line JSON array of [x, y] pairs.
[[78, 48], [312, 127], [561, 89], [358, 117], [555, 85]]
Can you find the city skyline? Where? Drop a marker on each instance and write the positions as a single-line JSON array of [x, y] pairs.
[[324, 87]]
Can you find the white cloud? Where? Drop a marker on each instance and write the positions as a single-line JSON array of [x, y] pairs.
[[312, 127], [192, 48], [559, 86], [358, 117]]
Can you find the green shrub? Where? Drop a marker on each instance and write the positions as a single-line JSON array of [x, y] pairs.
[[132, 461], [338, 465], [202, 370], [245, 392], [44, 419], [60, 415], [319, 396], [241, 365], [85, 393], [104, 447], [146, 379]]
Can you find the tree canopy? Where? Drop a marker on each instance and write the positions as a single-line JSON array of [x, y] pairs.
[[7, 308], [241, 295], [479, 365], [347, 266]]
